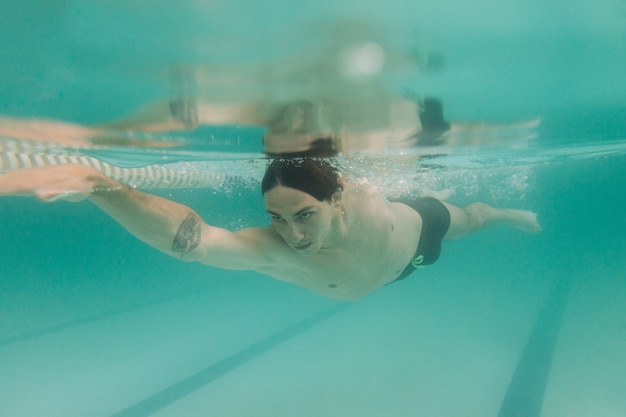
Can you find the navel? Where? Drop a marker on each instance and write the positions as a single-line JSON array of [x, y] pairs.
[[332, 285]]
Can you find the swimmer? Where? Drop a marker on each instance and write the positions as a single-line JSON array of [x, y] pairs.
[[338, 238]]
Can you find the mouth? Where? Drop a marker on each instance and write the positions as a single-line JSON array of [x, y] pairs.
[[302, 247]]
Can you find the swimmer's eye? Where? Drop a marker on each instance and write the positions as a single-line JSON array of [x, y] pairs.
[[306, 215], [277, 219]]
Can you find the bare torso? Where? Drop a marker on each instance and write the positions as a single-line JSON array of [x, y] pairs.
[[380, 241]]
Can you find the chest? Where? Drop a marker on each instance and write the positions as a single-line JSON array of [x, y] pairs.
[[351, 272], [381, 243]]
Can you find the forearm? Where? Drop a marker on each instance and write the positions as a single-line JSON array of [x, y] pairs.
[[168, 226], [171, 227]]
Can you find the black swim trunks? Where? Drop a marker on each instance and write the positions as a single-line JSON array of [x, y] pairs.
[[435, 222]]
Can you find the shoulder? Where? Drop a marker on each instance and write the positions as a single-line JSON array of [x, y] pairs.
[[362, 195], [270, 246], [273, 256], [366, 206], [360, 188], [251, 248], [260, 235]]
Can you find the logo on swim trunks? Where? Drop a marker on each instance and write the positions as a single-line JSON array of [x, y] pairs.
[[417, 261]]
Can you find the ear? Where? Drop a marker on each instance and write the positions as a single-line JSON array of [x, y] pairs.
[[336, 198]]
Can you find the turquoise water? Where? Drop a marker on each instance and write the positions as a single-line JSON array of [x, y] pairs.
[[95, 323]]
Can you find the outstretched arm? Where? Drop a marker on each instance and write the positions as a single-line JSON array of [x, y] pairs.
[[171, 227]]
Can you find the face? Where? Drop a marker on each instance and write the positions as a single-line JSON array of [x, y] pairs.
[[300, 219]]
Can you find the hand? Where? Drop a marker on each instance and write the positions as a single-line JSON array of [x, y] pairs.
[[51, 183]]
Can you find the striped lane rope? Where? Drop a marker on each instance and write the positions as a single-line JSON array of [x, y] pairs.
[[18, 154]]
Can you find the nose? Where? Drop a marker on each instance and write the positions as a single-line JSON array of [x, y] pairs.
[[295, 234]]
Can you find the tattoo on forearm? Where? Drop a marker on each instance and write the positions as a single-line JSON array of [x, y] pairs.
[[188, 235]]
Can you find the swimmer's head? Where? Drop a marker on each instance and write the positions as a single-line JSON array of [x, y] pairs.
[[316, 177], [303, 198]]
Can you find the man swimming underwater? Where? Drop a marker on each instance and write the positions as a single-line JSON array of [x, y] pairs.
[[337, 238]]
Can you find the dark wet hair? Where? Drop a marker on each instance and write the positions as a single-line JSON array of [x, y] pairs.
[[314, 176], [319, 148]]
